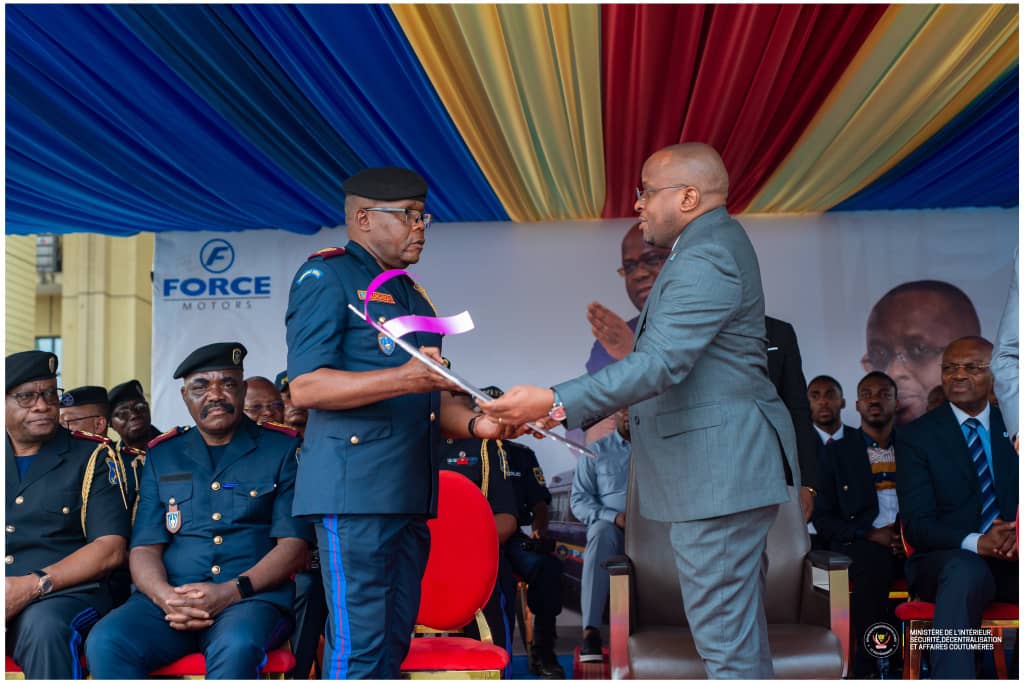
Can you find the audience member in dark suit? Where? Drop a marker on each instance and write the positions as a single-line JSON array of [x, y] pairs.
[[856, 509], [787, 374], [825, 396], [957, 479]]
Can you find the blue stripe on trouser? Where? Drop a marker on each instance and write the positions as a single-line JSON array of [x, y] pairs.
[[337, 668], [81, 622]]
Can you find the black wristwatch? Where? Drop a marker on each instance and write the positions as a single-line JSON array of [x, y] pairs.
[[244, 586]]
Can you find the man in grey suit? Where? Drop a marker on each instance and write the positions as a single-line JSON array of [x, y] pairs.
[[1006, 358], [711, 438]]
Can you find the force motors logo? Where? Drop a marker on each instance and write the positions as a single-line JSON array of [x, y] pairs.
[[216, 292]]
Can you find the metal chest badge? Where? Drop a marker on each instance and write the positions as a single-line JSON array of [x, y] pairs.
[[386, 344], [173, 517]]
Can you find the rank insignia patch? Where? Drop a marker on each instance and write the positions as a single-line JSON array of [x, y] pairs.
[[378, 297], [173, 517], [386, 344], [538, 474]]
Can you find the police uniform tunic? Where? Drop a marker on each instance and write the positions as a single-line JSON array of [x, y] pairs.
[[541, 571], [43, 526], [216, 517], [370, 472]]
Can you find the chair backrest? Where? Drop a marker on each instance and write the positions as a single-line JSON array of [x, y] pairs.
[[463, 562], [658, 598]]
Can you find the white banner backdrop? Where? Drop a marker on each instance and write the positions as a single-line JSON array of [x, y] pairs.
[[528, 285]]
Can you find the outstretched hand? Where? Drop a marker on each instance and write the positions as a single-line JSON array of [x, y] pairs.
[[611, 330], [520, 404]]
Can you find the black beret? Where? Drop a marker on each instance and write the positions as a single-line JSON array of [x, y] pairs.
[[281, 381], [492, 391], [127, 391], [219, 356], [388, 184], [26, 366], [84, 396]]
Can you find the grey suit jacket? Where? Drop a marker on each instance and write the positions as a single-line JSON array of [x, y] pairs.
[[1005, 357], [708, 428]]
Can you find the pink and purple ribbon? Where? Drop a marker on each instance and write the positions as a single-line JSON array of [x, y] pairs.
[[403, 325]]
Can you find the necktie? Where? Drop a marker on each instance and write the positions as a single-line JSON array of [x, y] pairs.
[[830, 441], [989, 509]]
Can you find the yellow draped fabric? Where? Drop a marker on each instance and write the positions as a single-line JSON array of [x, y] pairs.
[[920, 67], [522, 84]]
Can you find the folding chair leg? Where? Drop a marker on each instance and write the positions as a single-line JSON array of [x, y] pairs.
[[912, 656]]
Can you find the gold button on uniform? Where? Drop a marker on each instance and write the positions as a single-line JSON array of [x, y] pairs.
[[215, 569], [354, 440], [218, 539], [253, 494], [9, 559], [65, 509], [845, 487], [432, 416], [171, 501], [382, 320], [19, 500], [215, 486], [10, 528], [216, 516]]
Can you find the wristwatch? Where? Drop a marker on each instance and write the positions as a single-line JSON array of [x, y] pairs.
[[244, 586], [557, 411], [45, 585]]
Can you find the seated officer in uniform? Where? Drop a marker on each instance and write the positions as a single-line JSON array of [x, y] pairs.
[[263, 401], [531, 557], [130, 418], [85, 409], [483, 461], [63, 538], [214, 542], [294, 416]]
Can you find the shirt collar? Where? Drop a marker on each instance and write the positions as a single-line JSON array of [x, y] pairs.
[[982, 417], [825, 436]]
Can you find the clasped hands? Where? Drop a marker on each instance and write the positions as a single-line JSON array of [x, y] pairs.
[[194, 606]]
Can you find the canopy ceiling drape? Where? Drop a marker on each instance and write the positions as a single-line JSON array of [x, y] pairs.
[[127, 118]]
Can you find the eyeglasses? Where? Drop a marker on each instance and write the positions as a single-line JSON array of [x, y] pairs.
[[642, 194], [918, 355], [264, 407], [27, 399], [969, 368], [652, 263], [66, 422], [124, 412], [412, 217]]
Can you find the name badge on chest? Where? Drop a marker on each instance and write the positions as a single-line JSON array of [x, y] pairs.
[[173, 517]]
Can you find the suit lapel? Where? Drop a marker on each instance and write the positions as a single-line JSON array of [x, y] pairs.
[[49, 457], [949, 432], [242, 443]]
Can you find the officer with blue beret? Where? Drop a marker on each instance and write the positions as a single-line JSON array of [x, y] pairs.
[[66, 524], [368, 473], [214, 543]]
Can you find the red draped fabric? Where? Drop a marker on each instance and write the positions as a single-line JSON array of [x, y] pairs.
[[746, 79]]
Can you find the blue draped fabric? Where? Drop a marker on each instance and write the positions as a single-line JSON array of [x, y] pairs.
[[217, 118], [976, 153]]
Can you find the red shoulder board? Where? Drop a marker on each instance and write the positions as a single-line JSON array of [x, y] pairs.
[[278, 427], [328, 252], [91, 437], [136, 452], [170, 434]]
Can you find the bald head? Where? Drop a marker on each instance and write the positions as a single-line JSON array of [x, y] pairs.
[[697, 164], [263, 400]]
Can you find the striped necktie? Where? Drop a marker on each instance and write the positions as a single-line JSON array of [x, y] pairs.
[[989, 509]]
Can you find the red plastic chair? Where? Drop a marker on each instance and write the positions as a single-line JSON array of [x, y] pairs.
[[279, 663], [11, 670], [918, 615], [459, 579]]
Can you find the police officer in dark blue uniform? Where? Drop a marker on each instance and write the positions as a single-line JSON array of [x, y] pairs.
[[531, 558], [214, 541], [368, 471], [66, 524], [85, 409], [131, 419], [483, 462]]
